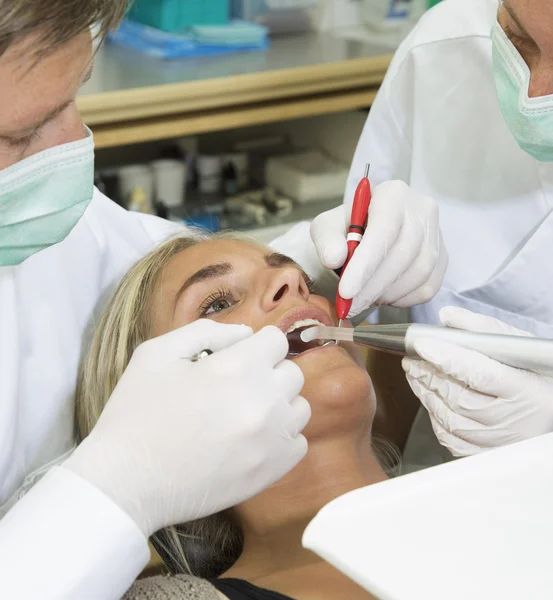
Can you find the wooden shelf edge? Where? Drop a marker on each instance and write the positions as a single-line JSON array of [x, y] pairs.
[[112, 107], [146, 130]]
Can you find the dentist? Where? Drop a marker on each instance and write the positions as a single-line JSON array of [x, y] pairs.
[[465, 116]]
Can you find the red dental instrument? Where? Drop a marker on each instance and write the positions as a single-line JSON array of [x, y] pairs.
[[358, 222]]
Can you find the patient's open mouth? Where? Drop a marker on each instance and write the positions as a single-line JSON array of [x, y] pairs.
[[297, 345]]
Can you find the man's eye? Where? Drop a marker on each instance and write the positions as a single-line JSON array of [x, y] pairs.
[[218, 306], [25, 141], [523, 44]]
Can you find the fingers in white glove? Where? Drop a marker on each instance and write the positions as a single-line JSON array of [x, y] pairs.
[[457, 446], [403, 264], [401, 260], [461, 318], [427, 289], [386, 216], [290, 377], [463, 431], [269, 346], [448, 400], [179, 440], [473, 369], [328, 232], [203, 334], [302, 411]]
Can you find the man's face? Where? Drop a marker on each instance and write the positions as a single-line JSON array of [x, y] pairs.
[[529, 25], [37, 97]]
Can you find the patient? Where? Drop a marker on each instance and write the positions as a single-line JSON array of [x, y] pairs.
[[254, 549]]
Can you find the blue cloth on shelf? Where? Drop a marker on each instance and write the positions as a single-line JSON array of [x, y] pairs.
[[213, 40]]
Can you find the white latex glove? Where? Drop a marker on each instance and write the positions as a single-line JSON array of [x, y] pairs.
[[401, 260], [179, 440], [476, 403]]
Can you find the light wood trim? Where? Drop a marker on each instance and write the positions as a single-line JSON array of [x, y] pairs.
[[171, 99], [132, 132]]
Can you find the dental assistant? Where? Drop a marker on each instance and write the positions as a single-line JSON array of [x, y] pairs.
[[166, 449], [465, 116]]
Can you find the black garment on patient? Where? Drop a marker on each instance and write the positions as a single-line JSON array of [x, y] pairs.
[[238, 589]]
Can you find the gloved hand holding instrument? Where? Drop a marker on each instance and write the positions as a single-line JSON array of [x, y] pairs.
[[401, 260], [476, 403], [180, 439]]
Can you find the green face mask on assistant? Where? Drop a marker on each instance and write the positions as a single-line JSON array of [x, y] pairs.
[[43, 197], [530, 120]]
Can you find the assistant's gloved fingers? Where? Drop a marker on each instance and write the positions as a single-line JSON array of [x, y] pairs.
[[473, 369], [434, 397], [289, 378], [328, 232], [299, 447], [395, 264], [418, 273], [456, 446], [429, 288], [203, 334], [302, 414], [267, 346], [386, 214], [482, 409], [461, 318], [455, 432]]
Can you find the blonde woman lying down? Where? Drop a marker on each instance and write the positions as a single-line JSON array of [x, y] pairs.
[[252, 551]]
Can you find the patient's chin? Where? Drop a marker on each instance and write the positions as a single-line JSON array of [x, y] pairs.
[[339, 390]]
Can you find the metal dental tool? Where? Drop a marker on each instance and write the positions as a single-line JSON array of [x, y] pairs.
[[200, 355], [358, 222], [531, 353]]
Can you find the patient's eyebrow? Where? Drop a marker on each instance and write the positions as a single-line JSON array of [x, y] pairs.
[[209, 272]]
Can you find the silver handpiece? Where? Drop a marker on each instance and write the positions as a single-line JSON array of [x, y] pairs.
[[531, 353]]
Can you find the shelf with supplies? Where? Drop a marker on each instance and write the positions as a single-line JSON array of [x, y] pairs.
[[260, 179], [132, 98]]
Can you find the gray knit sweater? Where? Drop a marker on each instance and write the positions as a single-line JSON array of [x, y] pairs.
[[178, 587]]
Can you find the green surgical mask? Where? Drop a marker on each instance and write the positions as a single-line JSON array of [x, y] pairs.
[[43, 197], [529, 119]]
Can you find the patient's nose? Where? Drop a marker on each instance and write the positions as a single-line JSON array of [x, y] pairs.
[[284, 284]]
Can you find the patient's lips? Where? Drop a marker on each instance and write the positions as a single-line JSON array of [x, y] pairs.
[[296, 345]]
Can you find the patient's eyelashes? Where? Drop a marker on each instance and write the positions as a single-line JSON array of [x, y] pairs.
[[217, 302]]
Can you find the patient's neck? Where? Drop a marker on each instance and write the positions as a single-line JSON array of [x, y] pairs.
[[273, 522]]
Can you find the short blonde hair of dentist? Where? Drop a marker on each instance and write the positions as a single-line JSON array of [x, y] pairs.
[[55, 22]]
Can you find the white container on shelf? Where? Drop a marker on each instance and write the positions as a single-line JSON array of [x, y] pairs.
[[209, 173], [136, 176], [307, 176], [170, 181]]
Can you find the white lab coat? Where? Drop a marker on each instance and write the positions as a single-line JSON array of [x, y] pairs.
[[436, 124], [64, 539]]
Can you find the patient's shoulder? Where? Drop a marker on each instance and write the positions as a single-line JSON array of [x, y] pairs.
[[181, 587]]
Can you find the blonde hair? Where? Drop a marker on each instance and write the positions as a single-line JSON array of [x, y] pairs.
[[206, 547]]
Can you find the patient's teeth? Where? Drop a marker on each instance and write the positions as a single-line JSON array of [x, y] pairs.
[[303, 323]]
